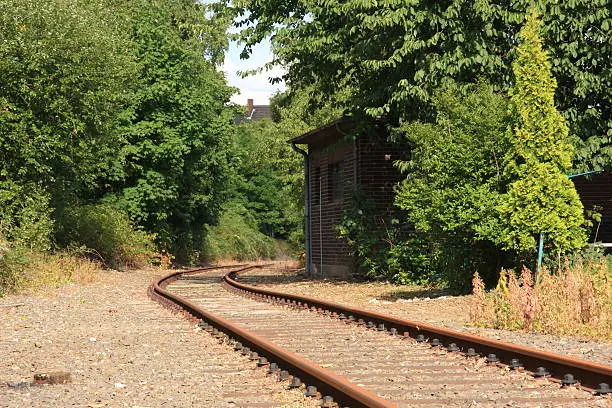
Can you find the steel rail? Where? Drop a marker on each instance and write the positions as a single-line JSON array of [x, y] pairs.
[[589, 374], [343, 391]]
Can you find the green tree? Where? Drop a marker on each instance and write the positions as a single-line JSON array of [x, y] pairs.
[[172, 178], [269, 176], [455, 180], [395, 54], [542, 199], [65, 78]]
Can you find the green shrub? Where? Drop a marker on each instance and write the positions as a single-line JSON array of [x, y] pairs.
[[12, 264], [108, 233], [384, 248], [236, 238], [25, 216]]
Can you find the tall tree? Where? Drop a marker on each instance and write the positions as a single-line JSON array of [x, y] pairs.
[[394, 54], [542, 199], [175, 152], [65, 78]]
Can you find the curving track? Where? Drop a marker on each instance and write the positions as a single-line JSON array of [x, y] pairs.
[[380, 366]]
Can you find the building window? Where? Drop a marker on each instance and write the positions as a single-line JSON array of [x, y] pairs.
[[316, 191], [335, 173]]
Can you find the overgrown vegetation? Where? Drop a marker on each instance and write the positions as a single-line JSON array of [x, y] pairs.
[[265, 205], [483, 181], [237, 237], [384, 248], [26, 269], [115, 130], [110, 236], [575, 299], [117, 136], [454, 181]]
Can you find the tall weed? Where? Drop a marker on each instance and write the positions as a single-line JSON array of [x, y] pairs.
[[12, 264], [26, 270], [576, 299]]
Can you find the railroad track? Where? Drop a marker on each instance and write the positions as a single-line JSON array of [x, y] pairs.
[[357, 358]]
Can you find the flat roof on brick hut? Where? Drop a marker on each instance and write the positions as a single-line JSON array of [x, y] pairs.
[[339, 161]]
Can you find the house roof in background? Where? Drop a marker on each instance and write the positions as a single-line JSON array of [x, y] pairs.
[[255, 112], [259, 112]]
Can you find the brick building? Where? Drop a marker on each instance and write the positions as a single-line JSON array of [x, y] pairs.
[[339, 161], [595, 192]]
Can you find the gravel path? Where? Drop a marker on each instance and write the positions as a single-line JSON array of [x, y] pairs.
[[426, 306], [122, 350]]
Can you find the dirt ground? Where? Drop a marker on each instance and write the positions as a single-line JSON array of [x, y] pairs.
[[424, 305], [122, 350]]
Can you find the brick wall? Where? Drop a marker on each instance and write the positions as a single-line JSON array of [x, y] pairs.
[[377, 174], [597, 191], [366, 162], [327, 208]]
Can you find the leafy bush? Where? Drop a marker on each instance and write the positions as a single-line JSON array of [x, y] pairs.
[[108, 233], [66, 72], [387, 252], [237, 237], [25, 217], [574, 300], [454, 181], [12, 263]]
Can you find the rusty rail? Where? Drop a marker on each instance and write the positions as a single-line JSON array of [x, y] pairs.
[[343, 391], [589, 374]]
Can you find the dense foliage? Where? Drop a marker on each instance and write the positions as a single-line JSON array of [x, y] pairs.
[[266, 196], [117, 134], [454, 180], [482, 182], [265, 199], [65, 74], [394, 54], [176, 133], [114, 120], [269, 177]]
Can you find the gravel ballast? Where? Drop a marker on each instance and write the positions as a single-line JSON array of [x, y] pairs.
[[121, 350], [428, 306]]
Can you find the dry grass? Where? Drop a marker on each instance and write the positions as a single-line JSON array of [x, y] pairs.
[[575, 300], [42, 271]]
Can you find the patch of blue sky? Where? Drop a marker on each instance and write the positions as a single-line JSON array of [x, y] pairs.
[[255, 86]]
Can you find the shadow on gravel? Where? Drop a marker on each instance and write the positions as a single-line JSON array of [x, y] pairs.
[[407, 292], [205, 280], [417, 292]]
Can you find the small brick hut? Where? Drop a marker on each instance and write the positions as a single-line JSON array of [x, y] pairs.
[[595, 191], [340, 161]]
